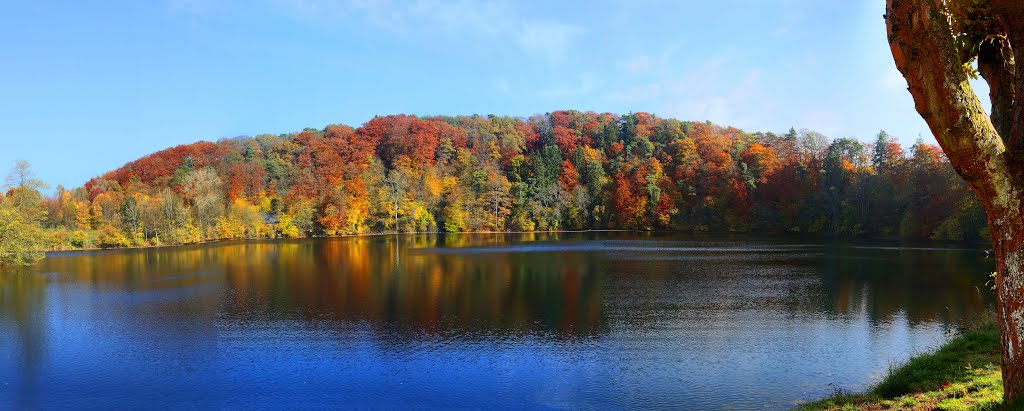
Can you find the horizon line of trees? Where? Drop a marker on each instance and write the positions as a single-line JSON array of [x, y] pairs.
[[561, 170]]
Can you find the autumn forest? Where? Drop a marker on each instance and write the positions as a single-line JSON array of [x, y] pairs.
[[565, 170]]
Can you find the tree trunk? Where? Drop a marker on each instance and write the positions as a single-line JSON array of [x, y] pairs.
[[1008, 239], [985, 151]]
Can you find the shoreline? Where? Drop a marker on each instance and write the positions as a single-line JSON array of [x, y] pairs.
[[967, 245], [963, 373], [221, 240]]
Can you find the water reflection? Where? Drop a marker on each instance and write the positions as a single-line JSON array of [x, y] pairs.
[[925, 285], [553, 319]]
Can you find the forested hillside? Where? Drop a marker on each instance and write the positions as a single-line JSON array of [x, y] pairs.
[[559, 171]]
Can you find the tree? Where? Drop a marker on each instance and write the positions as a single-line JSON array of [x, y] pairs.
[[887, 190], [887, 155], [933, 44], [395, 183], [24, 194], [566, 169], [22, 239], [843, 158], [628, 203], [131, 221], [203, 192], [21, 175], [495, 198]]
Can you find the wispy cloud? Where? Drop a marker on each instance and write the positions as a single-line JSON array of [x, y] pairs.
[[742, 104], [547, 38], [195, 8], [637, 64], [636, 94], [586, 84], [498, 20], [503, 86], [647, 63], [823, 121], [690, 83], [462, 15], [702, 93], [334, 11]]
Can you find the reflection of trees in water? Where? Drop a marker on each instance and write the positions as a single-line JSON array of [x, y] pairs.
[[175, 305], [387, 282], [394, 282], [23, 328], [475, 286], [923, 285], [694, 288], [142, 295], [714, 287]]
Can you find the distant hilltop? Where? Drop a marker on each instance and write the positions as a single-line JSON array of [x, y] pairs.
[[561, 170]]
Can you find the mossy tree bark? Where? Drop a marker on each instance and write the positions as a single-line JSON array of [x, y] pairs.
[[986, 151]]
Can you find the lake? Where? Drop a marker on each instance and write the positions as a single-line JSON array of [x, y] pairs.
[[579, 320]]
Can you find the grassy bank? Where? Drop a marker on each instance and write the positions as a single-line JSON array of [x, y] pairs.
[[961, 375]]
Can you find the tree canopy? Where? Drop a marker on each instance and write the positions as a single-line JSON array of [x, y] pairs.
[[561, 170]]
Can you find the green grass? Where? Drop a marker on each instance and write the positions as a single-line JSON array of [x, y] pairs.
[[961, 375]]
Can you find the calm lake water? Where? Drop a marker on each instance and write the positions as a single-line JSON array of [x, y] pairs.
[[491, 321]]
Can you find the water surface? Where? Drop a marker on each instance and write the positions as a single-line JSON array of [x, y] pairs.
[[491, 321]]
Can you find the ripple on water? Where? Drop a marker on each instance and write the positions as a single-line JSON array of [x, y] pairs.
[[404, 322]]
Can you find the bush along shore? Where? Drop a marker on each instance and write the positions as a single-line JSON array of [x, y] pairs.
[[963, 374]]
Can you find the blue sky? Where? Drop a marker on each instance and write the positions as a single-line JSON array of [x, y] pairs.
[[86, 86]]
